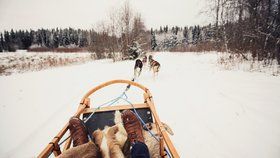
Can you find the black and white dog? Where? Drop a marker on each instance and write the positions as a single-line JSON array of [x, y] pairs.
[[138, 68]]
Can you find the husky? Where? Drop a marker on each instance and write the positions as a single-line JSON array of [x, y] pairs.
[[154, 65], [150, 58], [144, 60], [138, 68]]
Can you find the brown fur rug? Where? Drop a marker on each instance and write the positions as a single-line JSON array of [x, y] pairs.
[[88, 150]]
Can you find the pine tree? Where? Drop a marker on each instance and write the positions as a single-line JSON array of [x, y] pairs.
[[166, 29], [153, 41], [83, 39], [134, 50], [55, 39], [185, 34], [173, 30], [65, 38], [12, 36], [199, 34], [160, 30], [26, 40], [176, 29], [8, 42], [1, 43], [194, 35]]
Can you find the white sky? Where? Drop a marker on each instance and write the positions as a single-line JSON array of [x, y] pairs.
[[26, 14]]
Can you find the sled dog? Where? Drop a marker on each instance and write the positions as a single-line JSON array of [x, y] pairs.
[[138, 68], [144, 60], [154, 65]]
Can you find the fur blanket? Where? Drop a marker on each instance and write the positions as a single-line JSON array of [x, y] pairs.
[[88, 150]]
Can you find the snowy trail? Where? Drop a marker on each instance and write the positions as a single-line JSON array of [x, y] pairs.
[[213, 113]]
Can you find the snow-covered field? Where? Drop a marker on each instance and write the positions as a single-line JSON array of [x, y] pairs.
[[237, 62], [22, 61], [214, 113]]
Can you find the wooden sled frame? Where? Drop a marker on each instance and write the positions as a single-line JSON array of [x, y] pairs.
[[84, 107]]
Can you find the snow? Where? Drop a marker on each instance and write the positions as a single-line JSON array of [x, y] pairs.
[[213, 112], [22, 61], [237, 62]]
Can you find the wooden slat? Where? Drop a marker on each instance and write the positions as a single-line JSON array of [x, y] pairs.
[[56, 150], [165, 136], [110, 83], [46, 152], [55, 140], [117, 107]]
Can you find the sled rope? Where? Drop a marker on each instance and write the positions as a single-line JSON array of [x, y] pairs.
[[64, 140], [124, 97], [128, 86], [111, 102], [141, 120], [108, 103], [138, 116]]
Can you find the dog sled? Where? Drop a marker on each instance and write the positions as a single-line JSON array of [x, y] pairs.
[[99, 117]]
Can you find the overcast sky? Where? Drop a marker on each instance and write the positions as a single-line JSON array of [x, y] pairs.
[[26, 14]]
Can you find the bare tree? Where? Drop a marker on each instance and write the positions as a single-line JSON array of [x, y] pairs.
[[126, 26], [114, 31], [248, 26], [114, 36]]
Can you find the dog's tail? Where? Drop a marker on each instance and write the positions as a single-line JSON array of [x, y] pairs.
[[158, 68]]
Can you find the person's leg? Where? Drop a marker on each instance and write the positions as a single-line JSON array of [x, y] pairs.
[[134, 132], [139, 150], [78, 131], [82, 147]]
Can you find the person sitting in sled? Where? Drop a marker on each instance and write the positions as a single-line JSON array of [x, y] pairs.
[[82, 147]]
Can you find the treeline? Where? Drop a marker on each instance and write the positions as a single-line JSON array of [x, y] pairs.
[[248, 26], [44, 38], [122, 34], [240, 26], [193, 38]]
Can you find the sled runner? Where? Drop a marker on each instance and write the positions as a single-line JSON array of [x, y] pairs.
[[103, 116]]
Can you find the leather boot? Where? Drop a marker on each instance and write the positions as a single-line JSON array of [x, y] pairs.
[[132, 126], [78, 131]]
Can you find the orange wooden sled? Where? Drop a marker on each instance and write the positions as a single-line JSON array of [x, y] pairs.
[[84, 109]]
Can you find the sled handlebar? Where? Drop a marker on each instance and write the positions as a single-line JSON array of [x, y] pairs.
[[103, 85]]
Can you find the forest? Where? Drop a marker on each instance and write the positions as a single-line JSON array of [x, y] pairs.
[[239, 27]]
